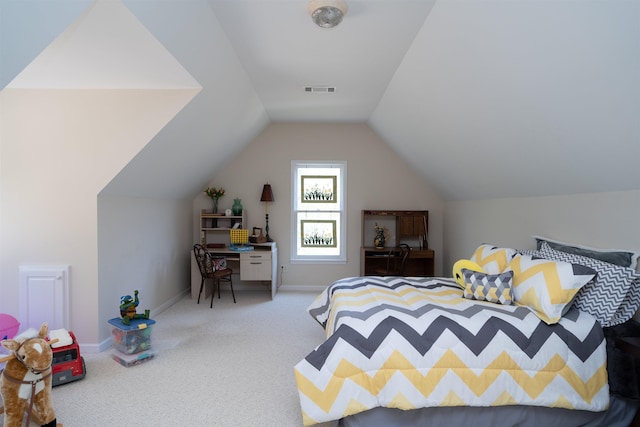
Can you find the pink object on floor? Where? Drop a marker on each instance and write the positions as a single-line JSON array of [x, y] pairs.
[[8, 326]]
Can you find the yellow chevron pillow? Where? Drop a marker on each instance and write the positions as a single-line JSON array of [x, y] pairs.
[[547, 287], [492, 259]]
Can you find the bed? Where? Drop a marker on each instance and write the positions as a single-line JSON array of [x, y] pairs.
[[428, 351]]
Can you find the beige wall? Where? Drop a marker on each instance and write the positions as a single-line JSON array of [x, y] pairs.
[[376, 179], [603, 220], [141, 246], [58, 150]]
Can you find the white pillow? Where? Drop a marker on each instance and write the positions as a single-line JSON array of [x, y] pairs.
[[547, 287]]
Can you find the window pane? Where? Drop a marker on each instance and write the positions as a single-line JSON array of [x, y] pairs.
[[318, 233], [318, 189]]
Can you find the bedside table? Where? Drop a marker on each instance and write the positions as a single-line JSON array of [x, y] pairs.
[[631, 346]]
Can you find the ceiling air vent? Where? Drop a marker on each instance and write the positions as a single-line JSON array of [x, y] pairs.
[[320, 89]]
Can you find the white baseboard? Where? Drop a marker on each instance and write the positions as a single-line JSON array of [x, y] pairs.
[[162, 307], [301, 288]]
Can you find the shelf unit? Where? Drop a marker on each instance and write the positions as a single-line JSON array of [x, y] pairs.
[[214, 228], [404, 226]]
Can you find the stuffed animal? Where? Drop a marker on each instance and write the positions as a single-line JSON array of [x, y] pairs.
[[25, 383], [457, 270]]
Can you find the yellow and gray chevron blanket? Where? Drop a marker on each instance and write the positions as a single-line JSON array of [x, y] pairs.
[[416, 342]]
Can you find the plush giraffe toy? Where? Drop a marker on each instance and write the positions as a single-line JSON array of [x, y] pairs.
[[25, 383]]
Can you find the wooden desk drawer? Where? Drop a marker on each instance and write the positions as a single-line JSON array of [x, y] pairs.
[[255, 266]]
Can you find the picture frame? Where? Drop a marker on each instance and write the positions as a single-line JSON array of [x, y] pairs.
[[318, 189], [318, 233]]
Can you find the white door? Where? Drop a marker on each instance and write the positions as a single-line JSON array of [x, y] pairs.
[[44, 297]]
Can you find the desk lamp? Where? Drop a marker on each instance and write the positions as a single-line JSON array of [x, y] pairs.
[[267, 196]]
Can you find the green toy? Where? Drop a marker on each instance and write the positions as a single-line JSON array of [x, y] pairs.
[[128, 308]]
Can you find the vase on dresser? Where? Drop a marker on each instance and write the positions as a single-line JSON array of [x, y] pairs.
[[382, 234], [236, 209]]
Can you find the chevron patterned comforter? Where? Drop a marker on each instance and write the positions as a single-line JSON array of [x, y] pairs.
[[416, 342]]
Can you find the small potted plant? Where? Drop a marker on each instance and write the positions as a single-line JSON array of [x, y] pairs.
[[215, 194]]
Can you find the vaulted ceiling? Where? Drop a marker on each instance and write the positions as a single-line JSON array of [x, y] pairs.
[[484, 99]]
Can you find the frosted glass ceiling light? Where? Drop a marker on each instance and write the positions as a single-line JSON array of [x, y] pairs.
[[327, 13]]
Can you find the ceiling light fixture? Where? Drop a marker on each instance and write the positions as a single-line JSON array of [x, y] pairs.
[[327, 13]]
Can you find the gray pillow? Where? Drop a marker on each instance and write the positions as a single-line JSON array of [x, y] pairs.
[[623, 258], [488, 287], [613, 296]]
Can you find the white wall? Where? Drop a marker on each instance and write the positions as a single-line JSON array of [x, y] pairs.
[[60, 148], [58, 151], [376, 178], [142, 244], [604, 220]]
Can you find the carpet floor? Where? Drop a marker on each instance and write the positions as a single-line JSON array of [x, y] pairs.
[[230, 365]]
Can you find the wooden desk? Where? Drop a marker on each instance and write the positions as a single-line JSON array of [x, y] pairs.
[[420, 262], [261, 264]]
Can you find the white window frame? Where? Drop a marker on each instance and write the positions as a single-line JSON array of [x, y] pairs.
[[328, 215]]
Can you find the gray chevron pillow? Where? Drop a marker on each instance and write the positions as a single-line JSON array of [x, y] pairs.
[[613, 296]]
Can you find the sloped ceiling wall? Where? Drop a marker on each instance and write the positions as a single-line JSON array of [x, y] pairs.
[[514, 99], [492, 99], [27, 28], [225, 116]]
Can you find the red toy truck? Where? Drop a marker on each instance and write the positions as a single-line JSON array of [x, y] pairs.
[[68, 365]]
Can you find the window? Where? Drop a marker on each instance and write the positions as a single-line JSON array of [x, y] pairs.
[[318, 211]]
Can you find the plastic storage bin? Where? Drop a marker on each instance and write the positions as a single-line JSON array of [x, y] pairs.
[[133, 338], [128, 360]]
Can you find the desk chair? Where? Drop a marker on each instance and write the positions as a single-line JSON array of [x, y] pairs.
[[209, 269], [396, 260]]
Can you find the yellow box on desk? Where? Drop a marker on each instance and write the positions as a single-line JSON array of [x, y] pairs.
[[238, 237], [132, 338]]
